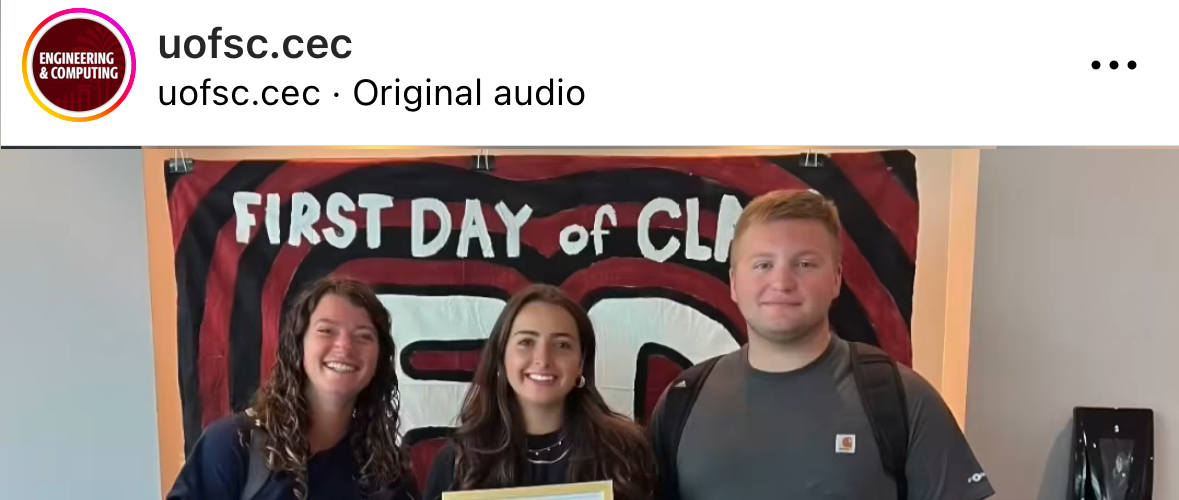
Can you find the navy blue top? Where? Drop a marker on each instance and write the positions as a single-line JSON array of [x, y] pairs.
[[218, 465], [553, 468]]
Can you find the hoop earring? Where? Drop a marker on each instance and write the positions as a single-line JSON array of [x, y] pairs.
[[581, 381]]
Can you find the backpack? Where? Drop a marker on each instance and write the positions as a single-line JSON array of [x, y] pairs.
[[877, 379]]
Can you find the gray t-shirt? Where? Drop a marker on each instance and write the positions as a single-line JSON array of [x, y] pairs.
[[804, 435]]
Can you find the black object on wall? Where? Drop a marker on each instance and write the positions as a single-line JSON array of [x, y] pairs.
[[1112, 454]]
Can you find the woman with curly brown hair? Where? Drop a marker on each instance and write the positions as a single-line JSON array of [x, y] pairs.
[[533, 416], [325, 423]]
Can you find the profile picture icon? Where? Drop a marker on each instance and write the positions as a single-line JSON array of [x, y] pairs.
[[78, 65]]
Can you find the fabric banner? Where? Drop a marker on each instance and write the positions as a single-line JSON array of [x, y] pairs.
[[640, 242]]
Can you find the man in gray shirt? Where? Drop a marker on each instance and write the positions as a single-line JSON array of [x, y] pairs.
[[783, 417]]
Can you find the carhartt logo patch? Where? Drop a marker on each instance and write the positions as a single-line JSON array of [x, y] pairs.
[[845, 443]]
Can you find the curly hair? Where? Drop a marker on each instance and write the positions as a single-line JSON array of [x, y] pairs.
[[490, 440], [280, 407]]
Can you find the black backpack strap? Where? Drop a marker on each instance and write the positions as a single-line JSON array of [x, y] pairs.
[[256, 473], [677, 405], [882, 393]]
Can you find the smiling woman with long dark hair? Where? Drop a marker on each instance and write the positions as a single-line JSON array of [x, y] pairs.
[[325, 424], [533, 416]]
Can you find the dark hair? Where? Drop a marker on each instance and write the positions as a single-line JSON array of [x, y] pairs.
[[489, 442], [280, 407]]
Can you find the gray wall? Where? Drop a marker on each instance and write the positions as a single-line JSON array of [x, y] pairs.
[[77, 379], [1076, 303]]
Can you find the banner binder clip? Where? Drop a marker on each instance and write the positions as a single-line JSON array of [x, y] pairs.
[[178, 164]]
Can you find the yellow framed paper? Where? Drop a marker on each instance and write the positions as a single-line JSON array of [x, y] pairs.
[[596, 490]]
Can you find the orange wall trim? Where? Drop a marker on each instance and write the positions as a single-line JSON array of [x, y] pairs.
[[162, 277]]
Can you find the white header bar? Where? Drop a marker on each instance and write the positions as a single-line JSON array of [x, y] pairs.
[[920, 73]]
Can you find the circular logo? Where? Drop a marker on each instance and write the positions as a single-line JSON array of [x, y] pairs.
[[79, 65]]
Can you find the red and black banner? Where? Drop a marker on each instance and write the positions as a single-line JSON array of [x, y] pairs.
[[641, 242]]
